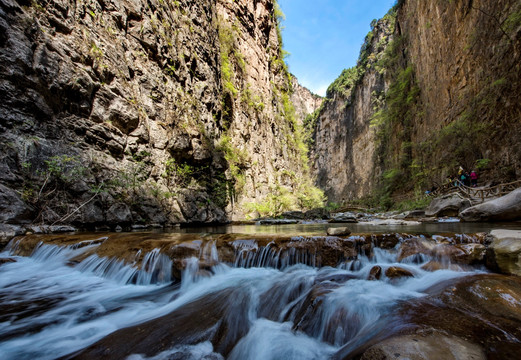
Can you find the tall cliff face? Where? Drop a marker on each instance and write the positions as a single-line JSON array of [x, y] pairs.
[[344, 141], [135, 111], [466, 57], [450, 81], [304, 101]]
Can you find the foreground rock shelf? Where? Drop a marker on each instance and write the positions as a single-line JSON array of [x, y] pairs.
[[265, 250], [172, 295]]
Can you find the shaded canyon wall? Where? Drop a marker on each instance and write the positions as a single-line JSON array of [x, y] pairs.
[[138, 112], [443, 93]]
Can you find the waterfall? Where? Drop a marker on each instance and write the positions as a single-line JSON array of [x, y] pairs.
[[273, 301]]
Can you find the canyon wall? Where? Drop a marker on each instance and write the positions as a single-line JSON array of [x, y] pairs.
[[450, 81], [344, 142], [144, 112]]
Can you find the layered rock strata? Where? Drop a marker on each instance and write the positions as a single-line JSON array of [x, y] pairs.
[[120, 112]]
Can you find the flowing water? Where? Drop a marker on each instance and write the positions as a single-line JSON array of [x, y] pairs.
[[264, 305]]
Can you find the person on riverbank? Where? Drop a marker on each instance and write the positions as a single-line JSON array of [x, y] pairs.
[[473, 178], [459, 177], [463, 178]]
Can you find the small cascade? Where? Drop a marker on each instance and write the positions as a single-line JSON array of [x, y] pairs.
[[156, 268], [276, 300], [272, 257]]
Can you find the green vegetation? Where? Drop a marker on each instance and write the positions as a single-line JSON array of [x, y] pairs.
[[512, 22], [238, 161], [345, 82], [282, 198], [370, 56], [297, 137]]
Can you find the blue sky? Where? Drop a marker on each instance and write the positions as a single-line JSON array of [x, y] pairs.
[[324, 37]]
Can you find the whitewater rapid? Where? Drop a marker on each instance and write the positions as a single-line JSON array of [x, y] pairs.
[[52, 306]]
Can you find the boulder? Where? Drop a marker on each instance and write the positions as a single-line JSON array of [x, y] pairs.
[[394, 272], [119, 213], [339, 231], [375, 273], [318, 213], [435, 345], [504, 251], [297, 215], [447, 205], [505, 208], [345, 217], [278, 222], [7, 232], [12, 208]]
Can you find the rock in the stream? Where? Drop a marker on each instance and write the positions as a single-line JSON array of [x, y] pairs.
[[447, 205], [394, 272], [375, 273], [435, 345], [504, 252], [339, 231], [505, 208], [345, 217], [6, 261], [278, 221]]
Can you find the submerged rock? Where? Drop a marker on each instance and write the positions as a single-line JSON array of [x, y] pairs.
[[412, 249], [7, 260], [380, 222], [505, 208]]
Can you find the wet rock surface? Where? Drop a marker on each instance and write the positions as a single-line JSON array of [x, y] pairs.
[[339, 231], [329, 300], [504, 251], [485, 309], [421, 346]]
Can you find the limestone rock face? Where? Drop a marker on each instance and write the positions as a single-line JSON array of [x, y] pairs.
[[305, 101], [505, 208], [148, 103]]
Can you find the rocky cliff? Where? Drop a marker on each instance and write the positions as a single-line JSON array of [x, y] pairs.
[[137, 112], [344, 141], [439, 95]]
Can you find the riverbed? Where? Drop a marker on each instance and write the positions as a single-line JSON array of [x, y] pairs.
[[257, 292]]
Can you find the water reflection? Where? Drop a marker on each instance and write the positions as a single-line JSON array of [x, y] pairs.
[[320, 228]]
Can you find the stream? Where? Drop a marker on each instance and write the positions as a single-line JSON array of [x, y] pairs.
[[66, 301]]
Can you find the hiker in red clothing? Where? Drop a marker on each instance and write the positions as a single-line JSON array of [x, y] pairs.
[[473, 178]]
